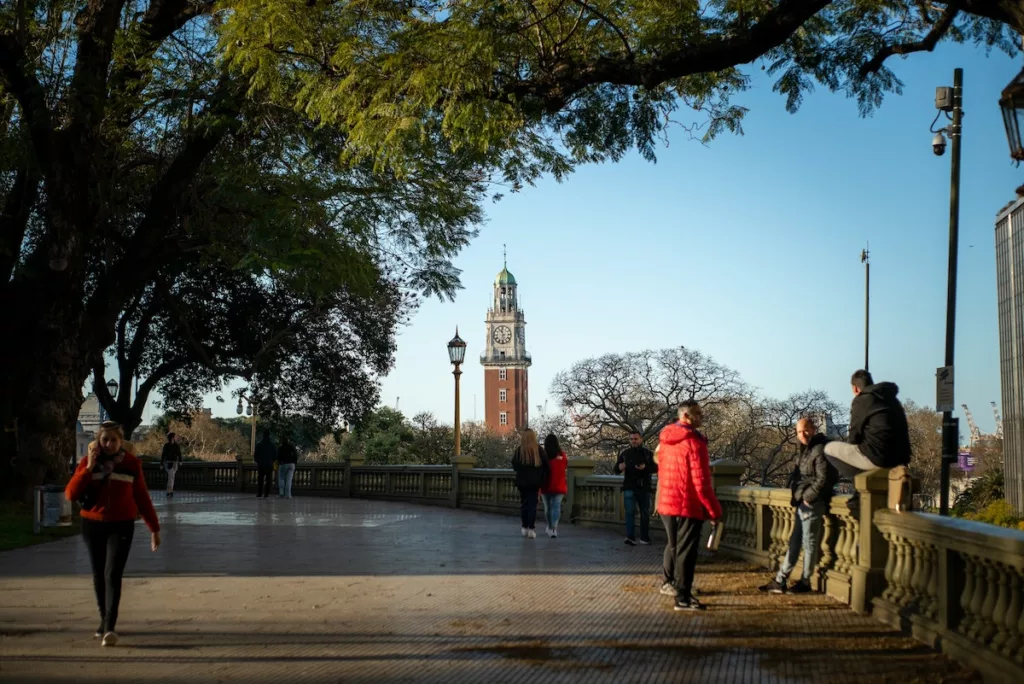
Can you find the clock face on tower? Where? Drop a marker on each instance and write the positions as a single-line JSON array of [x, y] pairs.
[[502, 334]]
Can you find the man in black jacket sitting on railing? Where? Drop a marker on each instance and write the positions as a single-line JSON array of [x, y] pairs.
[[811, 483]]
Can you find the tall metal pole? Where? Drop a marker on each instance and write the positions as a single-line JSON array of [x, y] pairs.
[[867, 304], [950, 440], [252, 437], [458, 419]]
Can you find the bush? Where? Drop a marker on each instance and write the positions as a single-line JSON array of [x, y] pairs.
[[981, 492], [999, 513]]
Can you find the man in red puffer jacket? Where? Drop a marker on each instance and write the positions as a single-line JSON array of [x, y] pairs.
[[686, 498]]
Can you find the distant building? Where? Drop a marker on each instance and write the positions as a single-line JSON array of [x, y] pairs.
[[505, 360], [1010, 297], [91, 414]]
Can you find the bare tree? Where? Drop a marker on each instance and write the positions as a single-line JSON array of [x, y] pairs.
[[610, 396]]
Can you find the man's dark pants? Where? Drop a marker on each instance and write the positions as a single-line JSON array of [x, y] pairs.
[[263, 478], [681, 549]]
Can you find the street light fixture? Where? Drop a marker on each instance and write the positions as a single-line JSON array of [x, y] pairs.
[[249, 412], [950, 100], [457, 354], [112, 388], [1012, 104]]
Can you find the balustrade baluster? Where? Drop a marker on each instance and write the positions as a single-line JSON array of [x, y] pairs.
[[1001, 609], [931, 582], [1014, 620], [967, 596], [988, 628], [890, 568], [898, 589]]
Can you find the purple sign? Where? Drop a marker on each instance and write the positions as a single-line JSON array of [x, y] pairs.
[[965, 461]]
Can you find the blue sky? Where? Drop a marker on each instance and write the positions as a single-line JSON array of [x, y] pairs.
[[748, 250]]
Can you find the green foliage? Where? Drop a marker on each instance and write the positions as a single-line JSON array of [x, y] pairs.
[[998, 512], [540, 85], [979, 494]]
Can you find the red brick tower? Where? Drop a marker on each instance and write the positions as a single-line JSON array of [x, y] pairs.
[[505, 359]]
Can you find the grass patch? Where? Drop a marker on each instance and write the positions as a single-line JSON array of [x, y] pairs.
[[16, 527]]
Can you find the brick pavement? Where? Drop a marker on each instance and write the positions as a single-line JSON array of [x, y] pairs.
[[337, 590]]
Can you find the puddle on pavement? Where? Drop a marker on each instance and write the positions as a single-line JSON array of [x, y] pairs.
[[284, 519]]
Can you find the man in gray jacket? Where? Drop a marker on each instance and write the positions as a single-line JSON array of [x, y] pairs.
[[811, 483]]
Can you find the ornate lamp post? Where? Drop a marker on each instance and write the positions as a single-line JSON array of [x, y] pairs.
[[248, 412], [1012, 105], [457, 354]]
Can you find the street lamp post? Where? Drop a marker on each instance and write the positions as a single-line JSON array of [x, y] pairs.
[[457, 354], [867, 302], [950, 100], [249, 412]]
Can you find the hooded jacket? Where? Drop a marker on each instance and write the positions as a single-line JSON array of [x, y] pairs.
[[878, 425], [265, 453], [813, 477], [684, 475]]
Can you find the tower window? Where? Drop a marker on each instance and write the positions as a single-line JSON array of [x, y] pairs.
[[503, 395], [503, 418], [503, 374]]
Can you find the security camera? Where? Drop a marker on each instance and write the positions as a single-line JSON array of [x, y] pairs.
[[939, 144]]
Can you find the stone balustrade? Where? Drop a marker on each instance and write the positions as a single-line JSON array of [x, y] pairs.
[[954, 584], [957, 585]]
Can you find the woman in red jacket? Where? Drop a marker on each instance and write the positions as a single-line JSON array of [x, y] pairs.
[[555, 485], [112, 492]]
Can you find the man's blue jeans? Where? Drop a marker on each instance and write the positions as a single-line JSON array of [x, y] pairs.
[[633, 499], [807, 536], [285, 473]]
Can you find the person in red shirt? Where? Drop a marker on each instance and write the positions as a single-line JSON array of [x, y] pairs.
[[555, 486], [686, 498], [110, 487]]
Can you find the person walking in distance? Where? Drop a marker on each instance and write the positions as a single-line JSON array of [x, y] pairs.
[[555, 486], [636, 463], [686, 498], [811, 484], [287, 457], [878, 436], [110, 488], [531, 468], [265, 455], [170, 459]]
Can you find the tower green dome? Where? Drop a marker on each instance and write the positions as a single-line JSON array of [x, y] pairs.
[[505, 278]]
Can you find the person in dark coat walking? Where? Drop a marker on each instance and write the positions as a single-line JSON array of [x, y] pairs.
[[265, 455], [637, 466], [531, 468], [811, 483], [170, 459], [879, 436]]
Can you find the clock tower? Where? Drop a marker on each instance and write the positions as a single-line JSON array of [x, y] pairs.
[[505, 359]]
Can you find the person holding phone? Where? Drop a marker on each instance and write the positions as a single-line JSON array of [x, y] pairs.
[[110, 487]]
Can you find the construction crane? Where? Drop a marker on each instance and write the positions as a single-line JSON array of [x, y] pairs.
[[999, 421], [975, 432]]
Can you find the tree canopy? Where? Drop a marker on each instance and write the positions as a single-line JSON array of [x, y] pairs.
[[563, 81]]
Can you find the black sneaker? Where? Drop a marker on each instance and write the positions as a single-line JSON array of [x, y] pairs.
[[801, 587], [773, 587], [690, 604], [630, 541]]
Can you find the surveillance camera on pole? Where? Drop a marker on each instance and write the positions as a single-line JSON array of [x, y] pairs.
[[939, 144]]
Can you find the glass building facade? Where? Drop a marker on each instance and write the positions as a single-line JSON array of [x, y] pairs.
[[1010, 293]]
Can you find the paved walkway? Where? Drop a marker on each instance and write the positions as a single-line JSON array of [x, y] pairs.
[[335, 590]]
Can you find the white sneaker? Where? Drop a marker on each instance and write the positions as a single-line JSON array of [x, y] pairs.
[[525, 531], [110, 639], [531, 534], [668, 590], [547, 531]]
